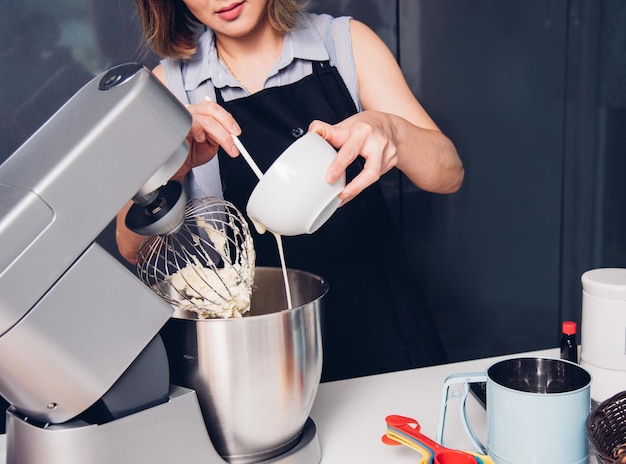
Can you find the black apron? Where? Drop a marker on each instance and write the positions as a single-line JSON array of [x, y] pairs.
[[374, 319]]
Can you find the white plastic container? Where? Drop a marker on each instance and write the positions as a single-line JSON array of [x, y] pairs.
[[603, 330]]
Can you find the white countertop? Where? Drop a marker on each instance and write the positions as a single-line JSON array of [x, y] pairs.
[[350, 414]]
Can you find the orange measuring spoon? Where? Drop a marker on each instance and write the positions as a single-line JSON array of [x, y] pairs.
[[404, 430]]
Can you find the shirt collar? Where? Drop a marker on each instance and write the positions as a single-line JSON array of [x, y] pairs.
[[303, 43]]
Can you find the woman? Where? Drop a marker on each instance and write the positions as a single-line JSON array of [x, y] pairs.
[[268, 71]]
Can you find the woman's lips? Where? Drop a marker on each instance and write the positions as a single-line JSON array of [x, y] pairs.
[[231, 12]]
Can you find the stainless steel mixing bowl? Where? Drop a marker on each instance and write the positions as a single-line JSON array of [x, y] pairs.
[[256, 377]]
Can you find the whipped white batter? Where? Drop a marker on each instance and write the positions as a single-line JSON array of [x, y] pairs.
[[217, 292]]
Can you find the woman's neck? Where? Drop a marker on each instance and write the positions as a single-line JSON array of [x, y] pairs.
[[250, 58]]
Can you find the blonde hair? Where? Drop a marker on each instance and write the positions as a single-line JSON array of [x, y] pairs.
[[170, 29]]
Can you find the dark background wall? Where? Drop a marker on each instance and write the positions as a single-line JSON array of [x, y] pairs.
[[533, 93]]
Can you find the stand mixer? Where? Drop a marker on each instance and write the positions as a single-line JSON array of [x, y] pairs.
[[81, 363]]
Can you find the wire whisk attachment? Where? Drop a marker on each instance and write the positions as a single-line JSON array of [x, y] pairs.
[[207, 266]]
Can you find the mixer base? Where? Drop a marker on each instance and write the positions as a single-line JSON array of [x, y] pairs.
[[170, 432]]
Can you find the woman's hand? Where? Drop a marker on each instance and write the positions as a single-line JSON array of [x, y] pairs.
[[212, 127], [368, 134], [426, 156]]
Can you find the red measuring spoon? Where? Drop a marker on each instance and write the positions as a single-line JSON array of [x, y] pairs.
[[406, 430]]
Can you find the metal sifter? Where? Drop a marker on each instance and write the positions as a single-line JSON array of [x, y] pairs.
[[205, 264]]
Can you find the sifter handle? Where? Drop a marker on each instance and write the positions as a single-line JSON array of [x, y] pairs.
[[466, 379]]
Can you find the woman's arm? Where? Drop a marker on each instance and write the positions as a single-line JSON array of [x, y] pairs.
[[393, 130]]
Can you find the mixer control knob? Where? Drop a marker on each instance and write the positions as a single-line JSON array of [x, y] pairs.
[[118, 75]]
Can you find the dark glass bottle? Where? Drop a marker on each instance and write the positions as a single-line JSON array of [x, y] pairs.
[[569, 345]]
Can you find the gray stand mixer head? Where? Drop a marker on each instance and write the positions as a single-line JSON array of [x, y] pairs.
[[72, 319]]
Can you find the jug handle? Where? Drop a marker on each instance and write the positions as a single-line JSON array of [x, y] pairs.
[[466, 379]]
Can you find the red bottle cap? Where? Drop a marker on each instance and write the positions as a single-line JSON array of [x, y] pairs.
[[569, 327]]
